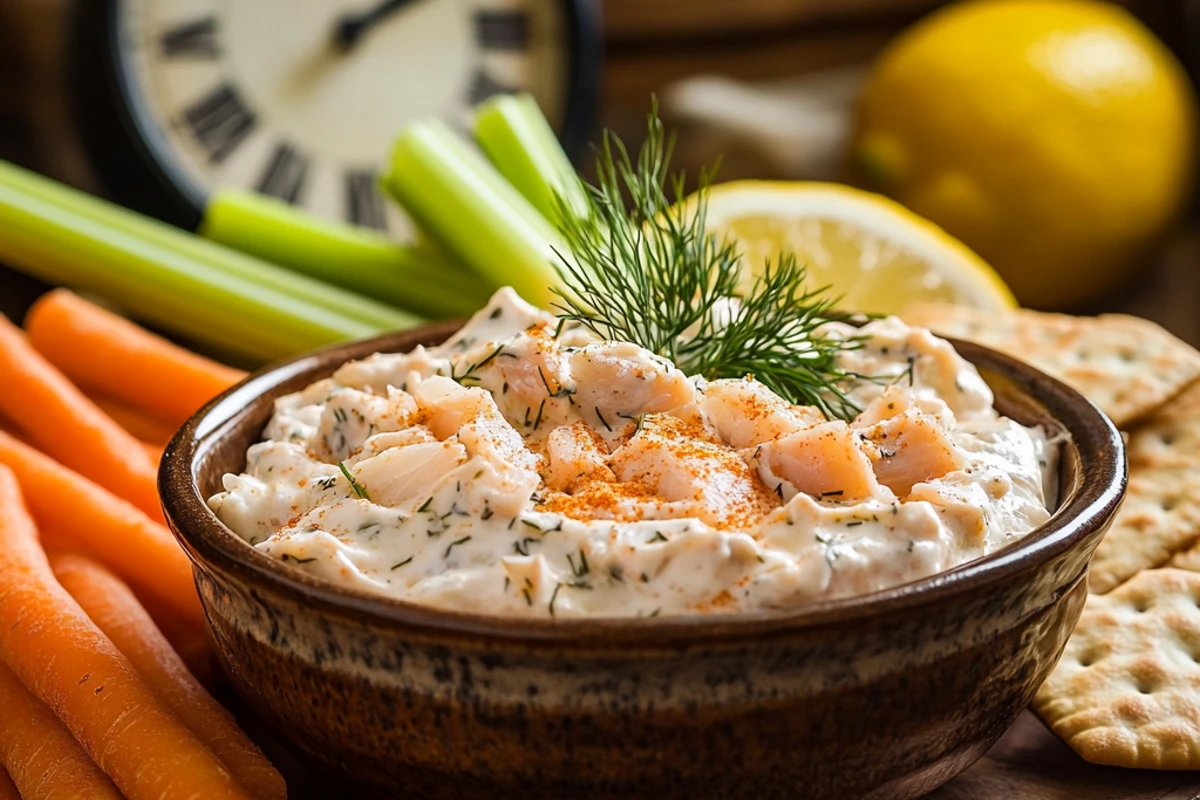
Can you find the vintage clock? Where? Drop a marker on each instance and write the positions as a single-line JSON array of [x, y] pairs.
[[300, 99]]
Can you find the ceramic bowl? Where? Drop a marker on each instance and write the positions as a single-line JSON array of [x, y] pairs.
[[882, 696]]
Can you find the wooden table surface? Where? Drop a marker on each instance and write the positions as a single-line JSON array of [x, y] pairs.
[[1029, 762]]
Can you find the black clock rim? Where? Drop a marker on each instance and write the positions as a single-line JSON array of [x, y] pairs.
[[187, 201], [584, 72], [151, 140]]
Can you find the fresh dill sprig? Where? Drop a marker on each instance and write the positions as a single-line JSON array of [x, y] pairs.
[[642, 267]]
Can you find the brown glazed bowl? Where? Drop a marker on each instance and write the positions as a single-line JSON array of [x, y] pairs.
[[882, 696]]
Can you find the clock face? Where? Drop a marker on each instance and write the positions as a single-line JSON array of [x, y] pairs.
[[300, 99]]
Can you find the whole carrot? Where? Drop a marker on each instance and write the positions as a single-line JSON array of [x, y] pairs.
[[143, 426], [113, 607], [101, 350], [71, 666], [186, 638], [136, 547], [40, 754], [7, 790], [60, 420]]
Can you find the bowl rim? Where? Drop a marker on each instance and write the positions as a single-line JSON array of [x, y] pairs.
[[212, 546]]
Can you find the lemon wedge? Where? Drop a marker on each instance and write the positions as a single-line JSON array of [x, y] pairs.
[[877, 255]]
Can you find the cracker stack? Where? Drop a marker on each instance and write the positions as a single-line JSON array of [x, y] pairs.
[[1127, 690]]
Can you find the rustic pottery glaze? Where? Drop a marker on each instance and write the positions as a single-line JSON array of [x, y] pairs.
[[884, 696]]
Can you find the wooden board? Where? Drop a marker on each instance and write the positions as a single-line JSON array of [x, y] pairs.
[[1031, 763]]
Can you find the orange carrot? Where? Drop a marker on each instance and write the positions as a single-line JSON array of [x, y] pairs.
[[60, 420], [113, 607], [66, 662], [7, 790], [188, 640], [134, 546], [104, 351], [153, 452], [40, 754], [140, 424]]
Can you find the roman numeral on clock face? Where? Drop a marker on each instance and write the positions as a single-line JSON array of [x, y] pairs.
[[220, 121], [284, 174], [502, 30], [484, 86], [195, 39], [364, 204]]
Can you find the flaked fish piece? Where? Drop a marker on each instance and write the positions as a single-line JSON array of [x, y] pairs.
[[667, 456], [745, 413], [529, 377], [894, 401], [618, 382], [825, 461], [470, 415], [574, 454], [909, 449], [403, 476]]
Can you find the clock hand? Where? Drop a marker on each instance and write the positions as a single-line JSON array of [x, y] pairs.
[[353, 25]]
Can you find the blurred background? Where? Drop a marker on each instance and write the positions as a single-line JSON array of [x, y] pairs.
[[775, 88]]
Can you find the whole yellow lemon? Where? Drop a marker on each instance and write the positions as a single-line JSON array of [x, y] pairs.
[[1054, 137]]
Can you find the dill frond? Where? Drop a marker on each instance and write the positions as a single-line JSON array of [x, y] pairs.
[[641, 266]]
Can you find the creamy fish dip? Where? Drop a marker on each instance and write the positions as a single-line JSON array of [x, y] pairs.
[[523, 470]]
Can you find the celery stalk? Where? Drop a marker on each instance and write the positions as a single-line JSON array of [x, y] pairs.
[[356, 259], [220, 260], [519, 141], [165, 287], [460, 200]]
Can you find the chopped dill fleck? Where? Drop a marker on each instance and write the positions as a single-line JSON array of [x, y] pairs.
[[638, 419], [453, 544], [603, 421], [358, 488], [487, 360], [580, 569], [657, 537], [425, 506], [546, 383], [400, 564], [554, 597]]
